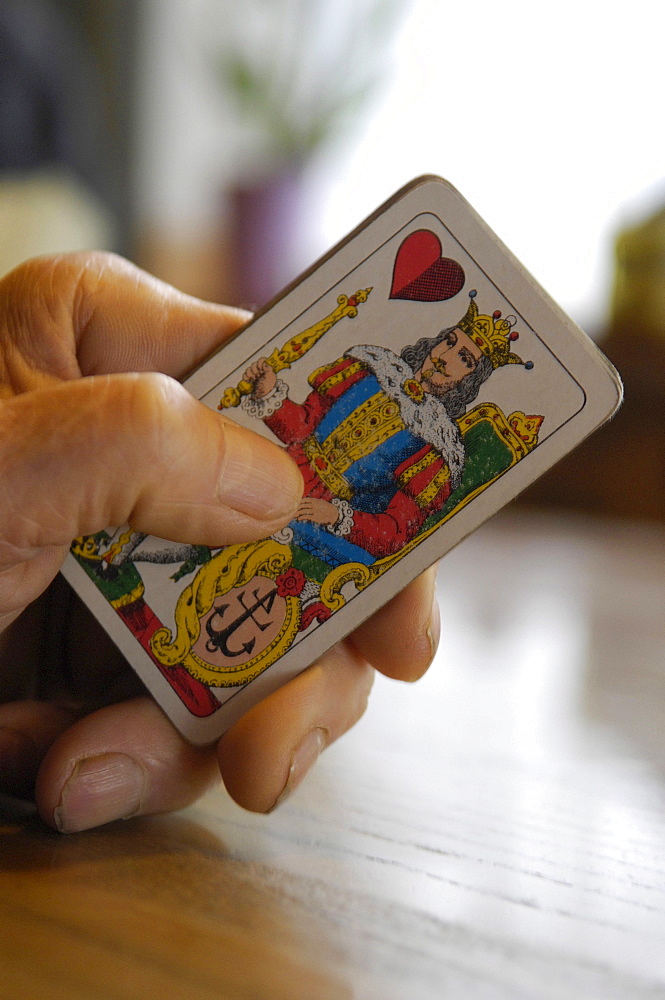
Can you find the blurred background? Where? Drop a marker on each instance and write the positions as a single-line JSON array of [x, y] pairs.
[[225, 144]]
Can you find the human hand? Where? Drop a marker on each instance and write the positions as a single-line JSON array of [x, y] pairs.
[[318, 511], [91, 436], [262, 376]]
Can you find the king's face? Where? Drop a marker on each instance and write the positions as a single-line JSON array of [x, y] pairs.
[[449, 362]]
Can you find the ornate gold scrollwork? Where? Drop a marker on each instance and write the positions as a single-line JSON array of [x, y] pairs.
[[233, 567]]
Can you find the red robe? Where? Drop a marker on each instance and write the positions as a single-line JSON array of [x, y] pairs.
[[413, 486]]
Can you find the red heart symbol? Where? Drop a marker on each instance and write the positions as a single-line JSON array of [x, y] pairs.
[[421, 273]]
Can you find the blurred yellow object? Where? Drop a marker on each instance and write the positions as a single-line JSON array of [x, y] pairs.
[[638, 299], [619, 472], [48, 212]]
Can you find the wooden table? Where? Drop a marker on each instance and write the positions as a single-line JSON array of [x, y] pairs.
[[495, 831]]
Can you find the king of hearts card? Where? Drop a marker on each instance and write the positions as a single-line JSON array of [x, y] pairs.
[[420, 379]]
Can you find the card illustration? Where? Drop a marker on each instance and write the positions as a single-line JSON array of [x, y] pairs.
[[400, 395]]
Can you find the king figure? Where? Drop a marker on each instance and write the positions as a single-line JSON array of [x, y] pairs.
[[377, 438]]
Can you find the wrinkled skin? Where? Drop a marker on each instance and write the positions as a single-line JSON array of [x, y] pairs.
[[95, 430]]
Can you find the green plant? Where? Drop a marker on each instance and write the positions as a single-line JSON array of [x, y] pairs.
[[298, 71]]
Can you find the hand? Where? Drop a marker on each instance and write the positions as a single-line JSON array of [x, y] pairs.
[[95, 431], [318, 511], [262, 376]]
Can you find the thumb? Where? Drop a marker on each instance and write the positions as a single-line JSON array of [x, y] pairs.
[[134, 448]]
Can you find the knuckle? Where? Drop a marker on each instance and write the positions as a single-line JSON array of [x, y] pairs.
[[51, 277], [42, 301], [144, 402]]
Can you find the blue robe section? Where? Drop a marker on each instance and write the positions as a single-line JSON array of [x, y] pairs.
[[330, 548]]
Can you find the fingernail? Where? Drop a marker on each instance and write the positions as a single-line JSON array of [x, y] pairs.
[[257, 477], [303, 759], [99, 790]]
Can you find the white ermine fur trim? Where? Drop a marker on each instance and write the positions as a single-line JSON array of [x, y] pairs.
[[429, 419]]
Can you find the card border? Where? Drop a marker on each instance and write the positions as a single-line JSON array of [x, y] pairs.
[[434, 196]]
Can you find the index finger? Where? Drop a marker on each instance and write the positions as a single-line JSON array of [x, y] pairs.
[[96, 313]]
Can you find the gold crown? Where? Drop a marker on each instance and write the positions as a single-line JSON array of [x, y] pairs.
[[492, 334]]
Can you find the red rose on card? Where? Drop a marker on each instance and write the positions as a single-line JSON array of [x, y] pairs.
[[291, 583]]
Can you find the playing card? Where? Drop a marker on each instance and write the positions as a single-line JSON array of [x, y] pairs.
[[421, 379]]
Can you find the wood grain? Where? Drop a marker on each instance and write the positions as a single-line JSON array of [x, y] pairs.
[[495, 831]]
